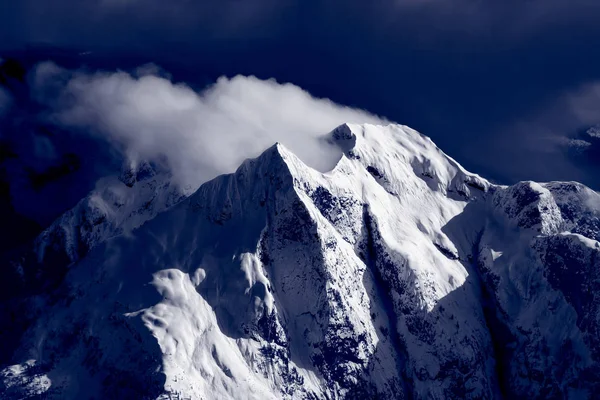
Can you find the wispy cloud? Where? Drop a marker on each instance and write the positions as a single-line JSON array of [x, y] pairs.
[[556, 142], [584, 104], [456, 69], [201, 134]]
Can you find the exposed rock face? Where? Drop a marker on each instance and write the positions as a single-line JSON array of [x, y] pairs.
[[397, 275]]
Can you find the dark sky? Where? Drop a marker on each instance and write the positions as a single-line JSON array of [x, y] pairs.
[[500, 86]]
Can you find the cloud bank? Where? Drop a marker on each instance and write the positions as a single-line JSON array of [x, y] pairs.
[[199, 134]]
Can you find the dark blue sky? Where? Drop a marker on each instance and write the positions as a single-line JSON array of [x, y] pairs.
[[497, 86]]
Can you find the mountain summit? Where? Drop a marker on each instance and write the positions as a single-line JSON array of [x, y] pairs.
[[396, 275]]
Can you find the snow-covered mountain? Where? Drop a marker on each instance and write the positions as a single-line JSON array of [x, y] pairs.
[[396, 275], [118, 204]]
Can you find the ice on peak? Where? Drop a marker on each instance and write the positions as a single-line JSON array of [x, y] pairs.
[[275, 160], [275, 154]]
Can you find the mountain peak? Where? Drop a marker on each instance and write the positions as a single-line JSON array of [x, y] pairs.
[[279, 281]]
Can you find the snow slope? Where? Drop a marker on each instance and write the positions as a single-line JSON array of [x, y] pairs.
[[396, 275]]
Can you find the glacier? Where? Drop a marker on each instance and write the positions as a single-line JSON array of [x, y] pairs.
[[395, 275]]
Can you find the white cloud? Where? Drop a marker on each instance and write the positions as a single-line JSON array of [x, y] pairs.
[[200, 134]]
